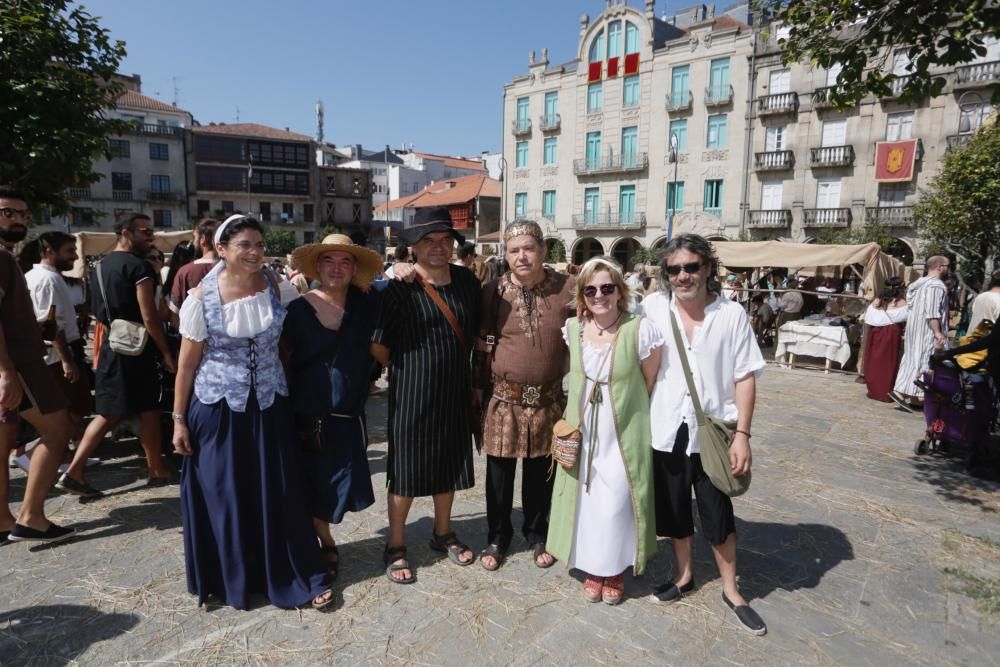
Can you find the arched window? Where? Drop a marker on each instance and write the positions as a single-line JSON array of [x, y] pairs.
[[597, 48], [631, 38], [614, 39]]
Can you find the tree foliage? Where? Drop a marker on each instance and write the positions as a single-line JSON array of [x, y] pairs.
[[961, 209], [870, 232], [861, 35], [556, 253], [279, 242], [56, 64]]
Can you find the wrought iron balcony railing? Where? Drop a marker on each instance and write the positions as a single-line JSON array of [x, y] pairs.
[[821, 97], [521, 126], [773, 160], [550, 123], [620, 162], [609, 220], [831, 156], [771, 219], [896, 87], [890, 216], [956, 141], [778, 103], [152, 195], [826, 217], [680, 100], [718, 96]]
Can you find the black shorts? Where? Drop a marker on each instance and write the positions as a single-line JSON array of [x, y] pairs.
[[674, 475]]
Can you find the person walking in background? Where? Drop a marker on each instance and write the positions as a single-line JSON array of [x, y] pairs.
[[126, 385], [602, 509], [986, 305], [191, 274], [424, 334], [884, 321], [246, 520], [926, 331], [328, 333]]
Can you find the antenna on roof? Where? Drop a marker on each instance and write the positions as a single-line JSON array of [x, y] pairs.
[[319, 121], [237, 114], [177, 91]]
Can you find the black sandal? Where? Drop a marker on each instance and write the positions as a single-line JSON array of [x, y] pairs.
[[331, 566], [449, 544], [537, 549], [394, 559], [497, 551]]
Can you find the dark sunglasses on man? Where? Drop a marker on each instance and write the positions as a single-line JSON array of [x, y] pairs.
[[675, 269], [607, 289]]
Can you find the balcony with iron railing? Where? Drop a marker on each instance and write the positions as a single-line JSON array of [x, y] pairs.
[[122, 195], [890, 216], [609, 220], [611, 163], [896, 86], [157, 195], [550, 122], [826, 217], [779, 103], [521, 127], [956, 141], [773, 160], [770, 219], [718, 96], [156, 130], [679, 101], [977, 75], [822, 97], [78, 193], [831, 156]]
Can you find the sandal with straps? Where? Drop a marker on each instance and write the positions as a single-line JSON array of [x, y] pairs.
[[538, 550], [497, 551], [331, 565], [394, 559], [450, 544]]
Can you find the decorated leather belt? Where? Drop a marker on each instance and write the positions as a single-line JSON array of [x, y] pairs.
[[527, 395]]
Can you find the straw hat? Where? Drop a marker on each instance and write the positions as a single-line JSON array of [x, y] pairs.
[[369, 263]]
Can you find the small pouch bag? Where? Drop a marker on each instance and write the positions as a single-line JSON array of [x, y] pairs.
[[124, 337], [566, 442]]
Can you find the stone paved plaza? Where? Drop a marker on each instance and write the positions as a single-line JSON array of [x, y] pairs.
[[854, 551]]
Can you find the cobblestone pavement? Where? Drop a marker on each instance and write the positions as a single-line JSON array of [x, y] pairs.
[[851, 549]]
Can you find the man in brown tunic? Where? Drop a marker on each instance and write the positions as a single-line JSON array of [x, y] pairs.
[[520, 362]]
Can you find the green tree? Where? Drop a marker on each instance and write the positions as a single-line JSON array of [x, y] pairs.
[[56, 67], [861, 35], [960, 211], [557, 252], [279, 242], [870, 232]]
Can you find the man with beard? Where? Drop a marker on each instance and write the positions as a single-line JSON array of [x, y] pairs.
[[725, 361], [54, 310], [520, 363], [126, 385], [27, 388]]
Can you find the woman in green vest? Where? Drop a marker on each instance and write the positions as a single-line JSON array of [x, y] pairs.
[[602, 508]]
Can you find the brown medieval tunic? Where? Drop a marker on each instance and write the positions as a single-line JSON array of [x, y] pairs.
[[529, 350]]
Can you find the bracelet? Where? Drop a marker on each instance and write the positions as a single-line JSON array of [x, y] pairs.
[[746, 433], [178, 416]]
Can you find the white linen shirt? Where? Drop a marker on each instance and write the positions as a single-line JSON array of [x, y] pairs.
[[724, 350], [48, 290]]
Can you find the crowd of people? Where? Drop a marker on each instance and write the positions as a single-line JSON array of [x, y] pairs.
[[269, 386]]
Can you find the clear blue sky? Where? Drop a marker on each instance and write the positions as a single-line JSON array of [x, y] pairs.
[[427, 72]]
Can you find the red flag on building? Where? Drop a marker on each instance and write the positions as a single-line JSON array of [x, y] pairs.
[[894, 160], [594, 73], [631, 63], [612, 67]]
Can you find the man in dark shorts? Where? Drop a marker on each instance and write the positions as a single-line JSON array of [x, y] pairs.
[[424, 333], [27, 389], [126, 385], [190, 275]]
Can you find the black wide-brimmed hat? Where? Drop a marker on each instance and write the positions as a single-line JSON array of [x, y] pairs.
[[427, 220]]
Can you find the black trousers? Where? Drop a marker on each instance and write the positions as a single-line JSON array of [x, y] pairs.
[[536, 497]]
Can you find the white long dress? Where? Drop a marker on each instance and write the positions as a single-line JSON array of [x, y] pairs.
[[604, 540]]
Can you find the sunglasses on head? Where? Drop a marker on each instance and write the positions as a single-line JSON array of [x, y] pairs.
[[675, 269], [607, 289]]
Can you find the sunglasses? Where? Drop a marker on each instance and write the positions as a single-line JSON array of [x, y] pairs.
[[11, 213], [675, 269], [607, 289]]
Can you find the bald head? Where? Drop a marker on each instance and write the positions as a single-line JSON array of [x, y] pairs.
[[938, 264]]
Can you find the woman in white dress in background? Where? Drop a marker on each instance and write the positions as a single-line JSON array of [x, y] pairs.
[[602, 509]]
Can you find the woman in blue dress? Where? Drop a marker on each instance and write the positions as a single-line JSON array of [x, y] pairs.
[[246, 531], [327, 334]]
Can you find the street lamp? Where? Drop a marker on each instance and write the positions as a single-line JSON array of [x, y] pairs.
[[503, 201], [673, 198]]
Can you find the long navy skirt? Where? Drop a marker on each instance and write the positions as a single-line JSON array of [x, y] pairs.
[[339, 477], [247, 527]]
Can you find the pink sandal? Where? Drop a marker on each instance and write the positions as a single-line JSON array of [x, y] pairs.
[[592, 588], [614, 589]]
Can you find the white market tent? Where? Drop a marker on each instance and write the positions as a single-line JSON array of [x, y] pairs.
[[820, 260], [97, 244]]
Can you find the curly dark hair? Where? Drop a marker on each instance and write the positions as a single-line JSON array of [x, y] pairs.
[[698, 245]]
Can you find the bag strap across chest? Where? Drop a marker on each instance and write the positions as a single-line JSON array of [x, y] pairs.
[[443, 307]]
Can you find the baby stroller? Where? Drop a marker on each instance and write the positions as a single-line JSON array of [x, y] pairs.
[[954, 419]]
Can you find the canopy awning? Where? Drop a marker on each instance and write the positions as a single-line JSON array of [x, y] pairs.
[[98, 244]]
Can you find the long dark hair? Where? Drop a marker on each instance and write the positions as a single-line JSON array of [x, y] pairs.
[[698, 245], [182, 255]]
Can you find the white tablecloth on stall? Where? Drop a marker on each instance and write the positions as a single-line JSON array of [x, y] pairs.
[[813, 338]]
